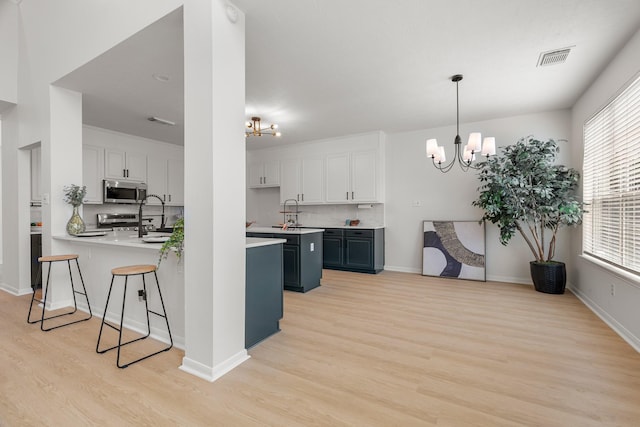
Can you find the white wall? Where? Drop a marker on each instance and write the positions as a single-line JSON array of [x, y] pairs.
[[412, 177], [9, 49], [593, 282]]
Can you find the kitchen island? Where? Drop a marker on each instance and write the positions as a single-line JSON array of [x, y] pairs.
[[264, 289], [302, 255], [99, 254]]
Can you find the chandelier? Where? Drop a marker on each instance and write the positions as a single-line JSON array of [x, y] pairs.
[[256, 129], [463, 156]]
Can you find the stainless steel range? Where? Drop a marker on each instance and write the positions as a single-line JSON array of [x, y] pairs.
[[123, 222]]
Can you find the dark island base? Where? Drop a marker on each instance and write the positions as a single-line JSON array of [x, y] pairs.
[[354, 270], [300, 288]]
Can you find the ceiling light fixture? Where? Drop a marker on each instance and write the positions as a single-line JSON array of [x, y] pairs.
[[163, 121], [466, 155], [256, 129]]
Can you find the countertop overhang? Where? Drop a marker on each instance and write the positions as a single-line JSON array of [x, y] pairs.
[[254, 242]]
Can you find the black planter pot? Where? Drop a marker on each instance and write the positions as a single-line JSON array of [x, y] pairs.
[[549, 277]]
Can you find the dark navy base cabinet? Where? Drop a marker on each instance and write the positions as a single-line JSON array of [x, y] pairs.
[[360, 250], [302, 255], [264, 283]]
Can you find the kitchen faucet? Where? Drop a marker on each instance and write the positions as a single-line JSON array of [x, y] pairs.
[[140, 228], [284, 209]]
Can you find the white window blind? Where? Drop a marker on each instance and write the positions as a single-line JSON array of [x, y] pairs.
[[611, 181]]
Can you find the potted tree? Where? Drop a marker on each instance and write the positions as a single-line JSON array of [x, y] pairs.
[[523, 190]]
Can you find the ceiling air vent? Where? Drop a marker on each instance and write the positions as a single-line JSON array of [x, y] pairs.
[[553, 57]]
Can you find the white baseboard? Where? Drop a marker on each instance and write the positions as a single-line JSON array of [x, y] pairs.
[[505, 279], [211, 374], [403, 269], [15, 291], [618, 328], [509, 279]]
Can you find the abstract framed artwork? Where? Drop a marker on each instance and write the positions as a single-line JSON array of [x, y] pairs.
[[454, 249]]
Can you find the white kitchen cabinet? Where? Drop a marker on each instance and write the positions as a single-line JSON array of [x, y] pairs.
[[352, 177], [302, 180], [92, 172], [165, 178], [125, 164], [36, 175], [175, 180], [264, 174]]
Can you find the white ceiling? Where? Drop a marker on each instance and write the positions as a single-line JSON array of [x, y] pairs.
[[325, 68]]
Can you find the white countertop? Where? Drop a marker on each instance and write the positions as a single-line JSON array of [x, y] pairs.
[[353, 227], [131, 240], [126, 239], [281, 231], [254, 242]]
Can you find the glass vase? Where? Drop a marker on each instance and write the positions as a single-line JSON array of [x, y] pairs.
[[75, 225]]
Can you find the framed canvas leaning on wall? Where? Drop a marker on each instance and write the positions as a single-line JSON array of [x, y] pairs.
[[454, 249]]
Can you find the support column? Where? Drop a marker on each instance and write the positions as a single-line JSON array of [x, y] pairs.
[[215, 189]]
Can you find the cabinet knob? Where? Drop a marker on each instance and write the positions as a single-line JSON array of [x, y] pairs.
[[264, 180], [303, 197], [352, 196], [347, 195]]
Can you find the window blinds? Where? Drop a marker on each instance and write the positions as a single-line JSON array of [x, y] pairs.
[[611, 181]]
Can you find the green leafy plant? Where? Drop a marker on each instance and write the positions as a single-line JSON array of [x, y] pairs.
[[523, 189], [175, 242], [74, 194]]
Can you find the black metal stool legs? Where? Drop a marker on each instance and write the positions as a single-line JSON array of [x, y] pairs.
[[120, 327], [43, 301]]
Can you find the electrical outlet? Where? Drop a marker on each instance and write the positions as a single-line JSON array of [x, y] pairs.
[[613, 290], [416, 203], [45, 199]]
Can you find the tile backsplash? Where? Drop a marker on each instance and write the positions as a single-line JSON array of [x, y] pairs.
[[328, 215]]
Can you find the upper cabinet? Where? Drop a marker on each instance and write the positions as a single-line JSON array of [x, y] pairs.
[[352, 177], [92, 172], [302, 180], [125, 164], [108, 154], [165, 178], [343, 170], [36, 175], [264, 174]]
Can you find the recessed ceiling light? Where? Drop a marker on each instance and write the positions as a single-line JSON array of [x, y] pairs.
[[161, 77]]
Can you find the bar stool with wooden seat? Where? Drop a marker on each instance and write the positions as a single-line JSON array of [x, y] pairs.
[[51, 259], [133, 270]]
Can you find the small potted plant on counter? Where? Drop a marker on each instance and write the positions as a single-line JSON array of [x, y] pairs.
[[523, 189], [174, 243]]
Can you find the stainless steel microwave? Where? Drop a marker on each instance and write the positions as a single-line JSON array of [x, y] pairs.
[[124, 191]]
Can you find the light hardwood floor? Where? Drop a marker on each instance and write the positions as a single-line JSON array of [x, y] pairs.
[[392, 349]]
